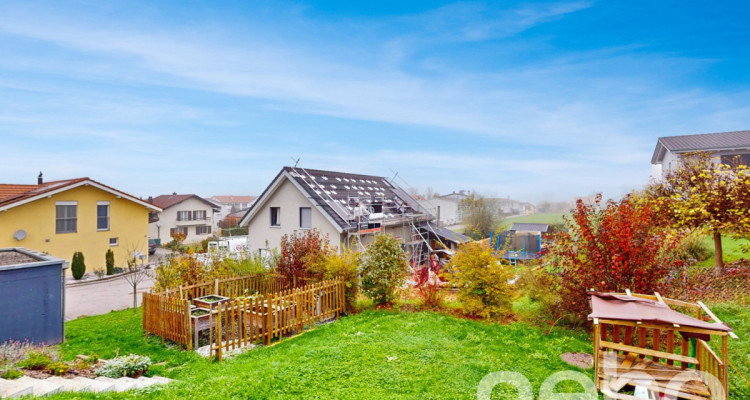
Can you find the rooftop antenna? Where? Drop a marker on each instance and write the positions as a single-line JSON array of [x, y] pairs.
[[395, 174], [296, 161]]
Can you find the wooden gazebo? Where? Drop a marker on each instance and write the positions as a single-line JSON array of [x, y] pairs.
[[648, 345]]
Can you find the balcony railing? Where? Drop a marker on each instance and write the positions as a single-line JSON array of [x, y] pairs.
[[190, 222]]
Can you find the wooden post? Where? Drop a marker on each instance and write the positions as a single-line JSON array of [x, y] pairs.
[[216, 286], [596, 351], [188, 331], [724, 368], [267, 321], [218, 332]]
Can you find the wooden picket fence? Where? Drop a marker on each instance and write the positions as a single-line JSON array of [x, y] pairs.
[[243, 321], [167, 317], [261, 308]]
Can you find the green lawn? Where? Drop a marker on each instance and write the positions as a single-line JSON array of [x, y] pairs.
[[730, 248], [541, 218], [432, 356]]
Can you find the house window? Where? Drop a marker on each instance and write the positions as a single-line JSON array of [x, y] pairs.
[[199, 215], [66, 217], [114, 241], [183, 230], [102, 216], [741, 159], [275, 216], [305, 217], [184, 215], [203, 229]]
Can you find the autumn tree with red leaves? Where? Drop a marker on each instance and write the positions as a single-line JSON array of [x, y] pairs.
[[299, 250], [612, 247]]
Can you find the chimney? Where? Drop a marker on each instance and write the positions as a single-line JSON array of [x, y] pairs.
[[438, 217], [174, 193], [150, 199], [39, 179]]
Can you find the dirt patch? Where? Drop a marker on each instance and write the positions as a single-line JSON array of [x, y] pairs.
[[580, 360]]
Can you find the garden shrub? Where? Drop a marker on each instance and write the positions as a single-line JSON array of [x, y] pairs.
[[384, 268], [542, 289], [12, 352], [253, 264], [36, 359], [133, 365], [428, 287], [110, 262], [187, 270], [330, 265], [692, 246], [12, 374], [612, 247], [58, 368], [298, 250], [78, 266], [482, 281]]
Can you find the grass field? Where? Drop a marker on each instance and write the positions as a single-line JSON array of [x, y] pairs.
[[730, 248], [541, 218], [372, 355]]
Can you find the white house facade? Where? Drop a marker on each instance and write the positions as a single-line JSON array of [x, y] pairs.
[[188, 214], [724, 146]]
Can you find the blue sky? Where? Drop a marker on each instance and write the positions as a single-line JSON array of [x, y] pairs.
[[532, 100]]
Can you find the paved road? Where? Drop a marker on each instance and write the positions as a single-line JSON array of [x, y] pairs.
[[103, 297]]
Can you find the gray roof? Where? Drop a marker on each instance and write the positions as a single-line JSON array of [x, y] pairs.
[[447, 234], [336, 193], [701, 142], [528, 227]]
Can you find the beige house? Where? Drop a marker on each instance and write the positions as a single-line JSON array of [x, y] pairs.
[[188, 214], [350, 209]]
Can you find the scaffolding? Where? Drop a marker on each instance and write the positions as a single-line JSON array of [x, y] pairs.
[[367, 215]]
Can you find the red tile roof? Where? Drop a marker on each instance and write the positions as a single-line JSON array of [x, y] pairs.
[[11, 193]]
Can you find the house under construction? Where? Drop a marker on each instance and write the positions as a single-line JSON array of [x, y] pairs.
[[350, 209]]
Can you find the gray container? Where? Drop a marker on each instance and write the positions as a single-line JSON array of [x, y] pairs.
[[32, 296]]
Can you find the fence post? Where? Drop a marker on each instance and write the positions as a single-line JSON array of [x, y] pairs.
[[181, 296], [188, 326], [267, 321], [216, 286], [218, 332]]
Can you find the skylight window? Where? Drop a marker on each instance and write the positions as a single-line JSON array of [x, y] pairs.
[[347, 187], [325, 178], [338, 179]]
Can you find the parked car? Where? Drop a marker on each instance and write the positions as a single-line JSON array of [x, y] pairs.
[[151, 247]]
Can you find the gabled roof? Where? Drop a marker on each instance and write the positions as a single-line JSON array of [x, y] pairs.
[[15, 195], [233, 199], [702, 142], [529, 227], [341, 196], [169, 200]]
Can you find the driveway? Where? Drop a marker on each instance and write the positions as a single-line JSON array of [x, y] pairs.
[[97, 298], [102, 297]]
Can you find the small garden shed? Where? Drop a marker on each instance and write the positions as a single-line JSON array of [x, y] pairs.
[[33, 293], [646, 344]]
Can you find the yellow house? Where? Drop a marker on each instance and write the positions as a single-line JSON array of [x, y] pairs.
[[62, 217]]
